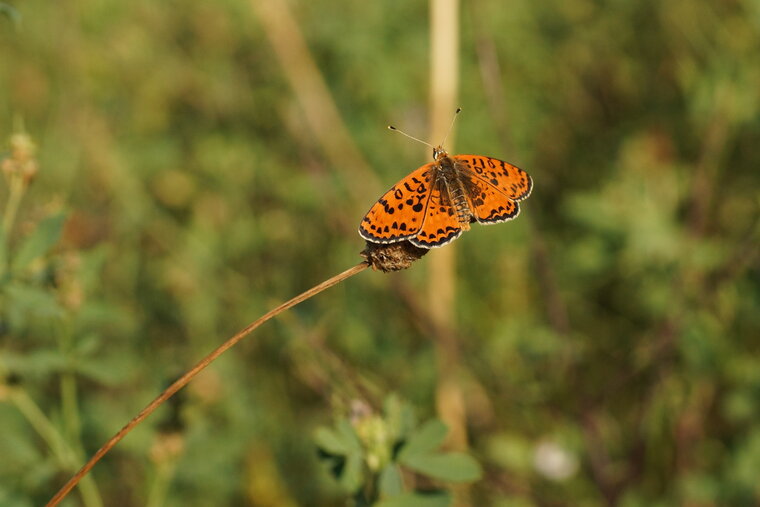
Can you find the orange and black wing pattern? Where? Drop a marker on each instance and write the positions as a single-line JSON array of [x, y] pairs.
[[416, 210], [441, 225], [490, 205], [399, 214], [512, 181]]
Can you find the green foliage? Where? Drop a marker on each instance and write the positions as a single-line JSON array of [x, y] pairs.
[[607, 342], [10, 12], [433, 499], [42, 239], [367, 456]]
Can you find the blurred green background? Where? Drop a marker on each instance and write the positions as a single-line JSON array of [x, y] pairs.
[[208, 160]]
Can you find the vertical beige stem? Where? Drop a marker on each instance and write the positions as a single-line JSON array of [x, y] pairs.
[[444, 71]]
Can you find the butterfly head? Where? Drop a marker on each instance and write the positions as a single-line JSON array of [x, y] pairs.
[[439, 152]]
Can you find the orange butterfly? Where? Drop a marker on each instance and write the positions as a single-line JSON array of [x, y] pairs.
[[434, 204]]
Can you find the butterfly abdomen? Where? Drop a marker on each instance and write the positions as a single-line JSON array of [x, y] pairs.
[[459, 203], [454, 190]]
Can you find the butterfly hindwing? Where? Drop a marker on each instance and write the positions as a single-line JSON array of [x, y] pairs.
[[512, 181], [400, 212], [440, 226], [489, 205]]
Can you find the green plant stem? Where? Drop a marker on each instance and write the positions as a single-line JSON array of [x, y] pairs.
[[69, 407], [56, 443], [15, 193], [160, 486], [68, 386], [41, 424]]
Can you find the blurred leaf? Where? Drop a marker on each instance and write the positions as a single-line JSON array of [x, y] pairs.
[[424, 440], [87, 345], [11, 12], [436, 499], [40, 241], [511, 451], [699, 489], [104, 370], [331, 441], [740, 406], [351, 476], [25, 301], [399, 414], [348, 435], [390, 482], [34, 364], [340, 441], [746, 461], [453, 466], [9, 499]]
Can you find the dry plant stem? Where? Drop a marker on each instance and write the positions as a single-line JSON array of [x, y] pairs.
[[444, 80], [444, 69], [200, 366], [311, 91], [323, 117]]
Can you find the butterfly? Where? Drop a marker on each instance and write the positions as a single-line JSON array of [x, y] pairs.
[[433, 205]]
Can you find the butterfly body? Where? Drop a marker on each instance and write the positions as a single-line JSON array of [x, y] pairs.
[[434, 204], [451, 189]]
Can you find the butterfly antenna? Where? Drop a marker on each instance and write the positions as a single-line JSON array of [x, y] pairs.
[[456, 113], [391, 127]]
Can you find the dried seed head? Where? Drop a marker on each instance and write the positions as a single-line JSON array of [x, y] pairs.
[[392, 256], [167, 447], [22, 147], [22, 161]]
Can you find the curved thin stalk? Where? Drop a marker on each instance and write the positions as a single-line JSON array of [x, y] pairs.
[[195, 370]]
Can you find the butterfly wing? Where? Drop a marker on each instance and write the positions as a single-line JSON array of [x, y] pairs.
[[441, 225], [489, 205], [511, 181], [399, 214], [414, 210]]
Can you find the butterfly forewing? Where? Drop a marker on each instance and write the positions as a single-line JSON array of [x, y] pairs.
[[399, 214], [512, 181]]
